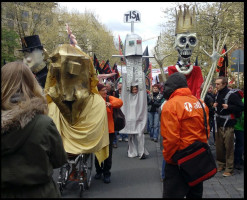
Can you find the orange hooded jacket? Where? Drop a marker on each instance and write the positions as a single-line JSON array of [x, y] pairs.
[[182, 122], [115, 103]]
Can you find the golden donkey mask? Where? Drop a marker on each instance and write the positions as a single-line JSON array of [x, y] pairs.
[[70, 70]]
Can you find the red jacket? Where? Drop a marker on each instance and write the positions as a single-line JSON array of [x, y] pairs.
[[115, 103], [182, 122], [194, 79]]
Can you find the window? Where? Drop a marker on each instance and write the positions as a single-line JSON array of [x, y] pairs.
[[20, 3], [10, 24], [25, 14], [48, 21], [36, 16], [24, 26], [10, 15]]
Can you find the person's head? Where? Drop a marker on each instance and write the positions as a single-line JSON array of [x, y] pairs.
[[102, 90], [215, 90], [174, 82], [210, 88], [221, 82], [33, 53], [109, 86], [34, 59], [119, 87], [134, 89], [18, 80], [155, 88]]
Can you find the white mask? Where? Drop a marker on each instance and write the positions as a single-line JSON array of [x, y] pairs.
[[185, 44], [34, 59]]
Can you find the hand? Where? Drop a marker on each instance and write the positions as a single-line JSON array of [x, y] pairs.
[[215, 105], [108, 104], [225, 106]]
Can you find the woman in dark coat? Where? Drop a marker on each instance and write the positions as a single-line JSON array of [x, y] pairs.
[[31, 146]]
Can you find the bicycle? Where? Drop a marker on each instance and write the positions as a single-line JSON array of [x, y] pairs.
[[78, 168]]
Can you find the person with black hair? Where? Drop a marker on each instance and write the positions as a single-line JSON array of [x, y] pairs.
[[225, 120], [182, 123], [154, 100]]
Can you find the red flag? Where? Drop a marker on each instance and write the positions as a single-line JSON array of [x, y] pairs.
[[120, 46], [223, 63], [102, 64], [145, 61], [106, 69], [96, 65], [149, 75], [150, 69], [121, 49], [115, 70]]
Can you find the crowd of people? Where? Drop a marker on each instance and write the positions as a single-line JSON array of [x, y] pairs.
[[173, 116], [228, 133], [229, 151]]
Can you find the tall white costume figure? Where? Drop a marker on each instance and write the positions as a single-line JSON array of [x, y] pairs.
[[134, 105]]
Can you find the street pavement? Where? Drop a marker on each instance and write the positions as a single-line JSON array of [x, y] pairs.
[[130, 177], [134, 178]]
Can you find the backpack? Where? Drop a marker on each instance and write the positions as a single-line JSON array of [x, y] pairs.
[[118, 117], [239, 94]]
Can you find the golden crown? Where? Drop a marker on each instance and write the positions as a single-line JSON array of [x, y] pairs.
[[185, 22]]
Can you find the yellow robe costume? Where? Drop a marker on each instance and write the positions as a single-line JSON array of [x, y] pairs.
[[90, 133]]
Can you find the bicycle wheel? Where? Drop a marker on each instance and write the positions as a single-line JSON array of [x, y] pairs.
[[63, 176], [81, 190], [87, 170]]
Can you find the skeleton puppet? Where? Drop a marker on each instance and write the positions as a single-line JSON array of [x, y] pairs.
[[185, 43], [134, 105]]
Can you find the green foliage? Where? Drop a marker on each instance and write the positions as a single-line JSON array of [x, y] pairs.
[[9, 43], [92, 36], [47, 20]]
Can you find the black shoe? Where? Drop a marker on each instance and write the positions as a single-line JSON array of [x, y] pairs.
[[97, 176], [238, 166], [143, 156], [155, 140], [107, 179]]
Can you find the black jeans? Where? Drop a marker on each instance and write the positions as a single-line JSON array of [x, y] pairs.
[[106, 165], [174, 185]]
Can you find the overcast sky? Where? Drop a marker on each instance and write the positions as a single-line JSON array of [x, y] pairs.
[[111, 14]]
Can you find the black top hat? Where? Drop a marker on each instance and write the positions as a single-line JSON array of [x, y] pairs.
[[30, 42]]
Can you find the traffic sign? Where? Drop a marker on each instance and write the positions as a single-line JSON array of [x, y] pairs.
[[132, 16], [237, 57]]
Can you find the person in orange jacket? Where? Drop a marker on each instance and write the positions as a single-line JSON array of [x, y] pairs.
[[182, 123], [113, 103]]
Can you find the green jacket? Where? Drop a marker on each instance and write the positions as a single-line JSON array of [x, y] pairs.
[[31, 147], [240, 121]]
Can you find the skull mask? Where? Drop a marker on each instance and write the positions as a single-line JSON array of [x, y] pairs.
[[185, 44]]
